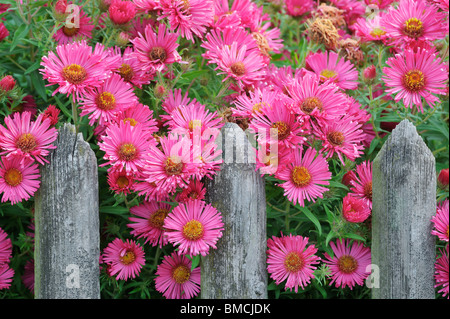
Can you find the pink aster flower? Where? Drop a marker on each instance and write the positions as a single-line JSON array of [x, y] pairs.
[[362, 182], [312, 99], [329, 67], [342, 137], [290, 258], [171, 166], [139, 114], [175, 279], [355, 209], [121, 12], [28, 275], [145, 5], [6, 276], [148, 221], [350, 264], [130, 69], [276, 123], [125, 258], [19, 179], [194, 117], [243, 66], [82, 31], [51, 113], [441, 273], [103, 104], [441, 221], [5, 247], [27, 139], [412, 76], [193, 191], [194, 227], [74, 68], [248, 105], [125, 146], [188, 17], [4, 33], [370, 29], [206, 155], [120, 181], [413, 19], [217, 39], [297, 8], [304, 176], [155, 50]]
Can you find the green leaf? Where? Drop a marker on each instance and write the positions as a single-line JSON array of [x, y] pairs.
[[195, 262], [311, 217], [21, 31], [35, 66], [39, 85], [115, 210]]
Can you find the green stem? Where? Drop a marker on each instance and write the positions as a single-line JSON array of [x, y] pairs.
[[75, 114]]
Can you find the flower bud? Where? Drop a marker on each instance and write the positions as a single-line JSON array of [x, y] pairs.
[[442, 179], [7, 83], [370, 74], [3, 31]]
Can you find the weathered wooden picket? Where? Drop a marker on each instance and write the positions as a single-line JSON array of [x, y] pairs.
[[403, 255]]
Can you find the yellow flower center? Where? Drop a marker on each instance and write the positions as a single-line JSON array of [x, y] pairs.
[[181, 274], [130, 120], [74, 73], [328, 73], [300, 176], [194, 124], [311, 103], [106, 101], [126, 72], [193, 230], [13, 177], [414, 80], [377, 32], [293, 262], [26, 142], [156, 220], [282, 128], [413, 28], [368, 190], [70, 31], [128, 258], [173, 166], [127, 152], [347, 264]]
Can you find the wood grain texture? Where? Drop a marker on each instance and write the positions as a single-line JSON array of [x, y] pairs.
[[404, 201], [67, 243], [237, 268]]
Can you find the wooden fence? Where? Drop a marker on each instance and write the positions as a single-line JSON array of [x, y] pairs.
[[404, 200]]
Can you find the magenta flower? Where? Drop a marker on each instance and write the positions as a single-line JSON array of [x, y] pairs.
[[148, 221], [248, 105], [342, 137], [329, 67], [194, 227], [19, 179], [355, 209], [6, 276], [441, 273], [5, 247], [362, 182], [27, 139], [304, 176], [193, 191], [103, 104], [121, 12], [413, 20], [175, 279], [289, 257], [441, 221], [124, 258], [125, 146], [350, 264], [187, 17], [130, 69], [412, 76], [81, 32], [155, 50], [120, 181], [74, 68]]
